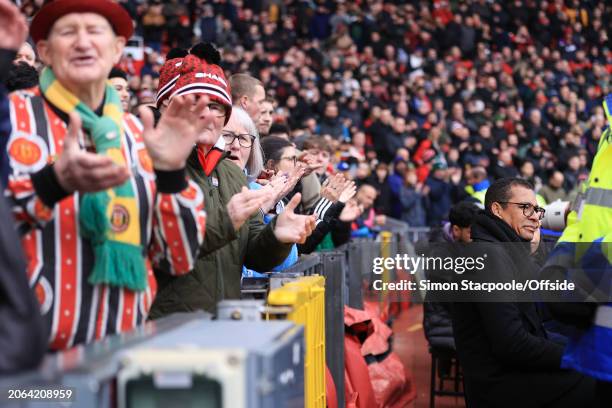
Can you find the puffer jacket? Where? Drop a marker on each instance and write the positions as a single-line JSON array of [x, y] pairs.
[[437, 323], [218, 269]]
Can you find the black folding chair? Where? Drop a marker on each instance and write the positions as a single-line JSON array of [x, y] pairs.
[[445, 368]]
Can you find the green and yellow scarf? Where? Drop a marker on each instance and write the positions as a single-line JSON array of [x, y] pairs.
[[110, 218]]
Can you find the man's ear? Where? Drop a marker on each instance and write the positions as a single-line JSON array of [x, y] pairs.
[[455, 231], [244, 101], [496, 209], [42, 48], [119, 46]]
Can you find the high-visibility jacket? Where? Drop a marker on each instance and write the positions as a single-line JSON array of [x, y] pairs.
[[586, 244], [479, 190]]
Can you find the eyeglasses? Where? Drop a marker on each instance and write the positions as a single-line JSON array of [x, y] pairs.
[[244, 139], [215, 108], [292, 158], [528, 209]]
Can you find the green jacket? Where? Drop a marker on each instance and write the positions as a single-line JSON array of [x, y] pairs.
[[218, 269]]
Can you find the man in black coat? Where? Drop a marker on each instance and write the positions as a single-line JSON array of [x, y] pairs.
[[508, 359]]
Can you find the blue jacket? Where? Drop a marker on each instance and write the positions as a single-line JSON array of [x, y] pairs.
[[588, 350], [291, 258], [396, 182], [413, 210], [439, 200]]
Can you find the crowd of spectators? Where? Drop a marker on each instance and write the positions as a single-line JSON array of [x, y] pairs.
[[409, 94], [341, 114]]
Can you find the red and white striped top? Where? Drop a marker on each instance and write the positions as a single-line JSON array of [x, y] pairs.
[[60, 260]]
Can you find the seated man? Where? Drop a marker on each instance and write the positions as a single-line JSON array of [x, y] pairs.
[[436, 317], [507, 357]]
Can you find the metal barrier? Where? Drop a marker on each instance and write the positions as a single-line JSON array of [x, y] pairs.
[[333, 267], [335, 270], [406, 240], [89, 371], [347, 271], [93, 370], [396, 238], [305, 298], [180, 361], [360, 254], [404, 232]]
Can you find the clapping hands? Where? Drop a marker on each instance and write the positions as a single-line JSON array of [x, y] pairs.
[[291, 227], [338, 188]]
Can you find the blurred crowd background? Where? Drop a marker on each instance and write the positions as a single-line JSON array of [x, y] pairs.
[[421, 99]]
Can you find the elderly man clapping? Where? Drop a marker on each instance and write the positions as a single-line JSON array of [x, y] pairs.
[[98, 198]]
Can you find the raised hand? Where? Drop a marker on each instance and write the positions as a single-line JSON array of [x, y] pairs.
[[292, 179], [280, 185], [332, 187], [171, 141], [244, 204], [13, 26], [80, 170], [273, 188], [264, 177], [291, 227], [309, 162], [349, 189], [327, 190], [350, 212]]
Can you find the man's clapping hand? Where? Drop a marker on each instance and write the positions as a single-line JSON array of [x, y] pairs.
[[291, 227]]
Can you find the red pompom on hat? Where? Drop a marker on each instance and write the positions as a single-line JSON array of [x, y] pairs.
[[196, 73], [52, 11]]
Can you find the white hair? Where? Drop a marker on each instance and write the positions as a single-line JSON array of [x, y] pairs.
[[255, 163]]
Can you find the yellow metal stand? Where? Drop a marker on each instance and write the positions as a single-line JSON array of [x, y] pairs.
[[306, 299]]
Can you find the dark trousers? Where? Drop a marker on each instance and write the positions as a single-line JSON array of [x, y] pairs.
[[582, 394], [603, 390]]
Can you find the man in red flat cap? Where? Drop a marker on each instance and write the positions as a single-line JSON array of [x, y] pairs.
[[98, 197]]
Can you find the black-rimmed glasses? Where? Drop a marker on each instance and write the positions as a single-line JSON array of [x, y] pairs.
[[217, 109], [528, 209], [244, 139]]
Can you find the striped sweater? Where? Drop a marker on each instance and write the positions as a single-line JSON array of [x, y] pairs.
[[59, 260]]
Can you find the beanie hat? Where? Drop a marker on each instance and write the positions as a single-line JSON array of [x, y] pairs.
[[195, 73], [439, 165]]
